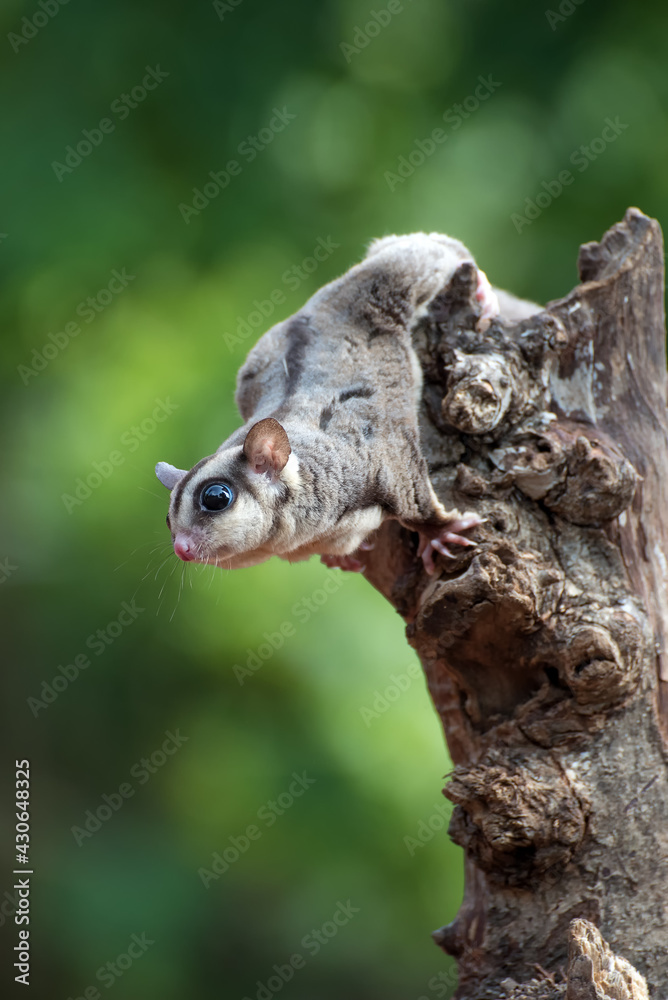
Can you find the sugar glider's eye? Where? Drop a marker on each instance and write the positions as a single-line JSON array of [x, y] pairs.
[[216, 496]]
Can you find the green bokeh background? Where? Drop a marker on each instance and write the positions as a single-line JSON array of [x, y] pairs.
[[163, 338]]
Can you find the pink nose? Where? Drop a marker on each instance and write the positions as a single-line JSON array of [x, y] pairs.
[[183, 548]]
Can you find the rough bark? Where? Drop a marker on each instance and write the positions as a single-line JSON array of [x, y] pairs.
[[544, 646]]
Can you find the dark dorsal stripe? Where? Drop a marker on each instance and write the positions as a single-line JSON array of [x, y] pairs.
[[299, 335], [356, 392], [326, 416]]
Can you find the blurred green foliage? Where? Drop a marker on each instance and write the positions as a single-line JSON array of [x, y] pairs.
[[162, 337]]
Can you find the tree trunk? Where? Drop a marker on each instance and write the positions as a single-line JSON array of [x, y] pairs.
[[544, 646]]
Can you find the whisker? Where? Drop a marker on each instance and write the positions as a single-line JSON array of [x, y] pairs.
[[167, 578], [178, 597], [159, 567], [150, 493], [136, 550]]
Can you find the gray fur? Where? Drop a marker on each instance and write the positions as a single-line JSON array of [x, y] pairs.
[[342, 379]]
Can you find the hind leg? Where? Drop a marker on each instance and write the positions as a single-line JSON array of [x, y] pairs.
[[488, 300]]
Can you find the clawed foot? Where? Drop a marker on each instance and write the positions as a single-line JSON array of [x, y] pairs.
[[486, 296], [343, 562], [349, 563], [450, 534]]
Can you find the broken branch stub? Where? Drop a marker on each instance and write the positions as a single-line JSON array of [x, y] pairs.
[[543, 646]]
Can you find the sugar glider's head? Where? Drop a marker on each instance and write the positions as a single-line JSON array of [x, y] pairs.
[[226, 509]]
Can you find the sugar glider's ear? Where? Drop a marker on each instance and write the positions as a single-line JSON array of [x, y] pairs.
[[168, 475], [267, 447]]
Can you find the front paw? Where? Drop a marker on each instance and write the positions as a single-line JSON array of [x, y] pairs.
[[448, 534]]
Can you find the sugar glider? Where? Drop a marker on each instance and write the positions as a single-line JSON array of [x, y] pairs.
[[330, 445]]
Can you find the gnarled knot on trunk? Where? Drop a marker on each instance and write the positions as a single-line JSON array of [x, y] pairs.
[[479, 383], [521, 639], [574, 469], [517, 814], [601, 660], [595, 973]]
